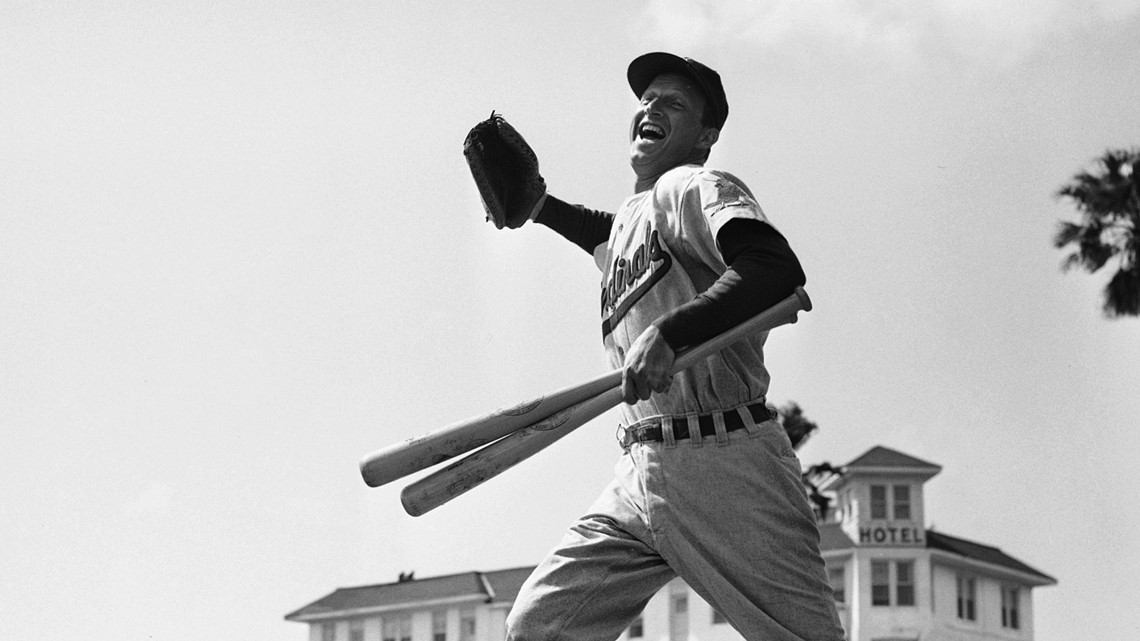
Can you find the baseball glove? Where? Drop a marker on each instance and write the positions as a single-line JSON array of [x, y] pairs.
[[505, 170]]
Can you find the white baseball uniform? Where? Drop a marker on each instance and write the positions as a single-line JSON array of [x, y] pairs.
[[727, 511]]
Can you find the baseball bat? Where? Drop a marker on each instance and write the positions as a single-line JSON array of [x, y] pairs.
[[421, 452], [478, 467]]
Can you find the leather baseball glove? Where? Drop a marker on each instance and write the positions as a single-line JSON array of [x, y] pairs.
[[505, 170]]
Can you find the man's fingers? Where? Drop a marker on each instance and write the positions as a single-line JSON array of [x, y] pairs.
[[636, 387], [628, 388]]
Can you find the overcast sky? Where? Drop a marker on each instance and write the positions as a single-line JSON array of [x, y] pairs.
[[239, 249]]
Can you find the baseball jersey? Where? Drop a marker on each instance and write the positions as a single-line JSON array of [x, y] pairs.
[[662, 253]]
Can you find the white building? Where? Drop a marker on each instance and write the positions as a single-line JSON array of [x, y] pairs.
[[894, 580]]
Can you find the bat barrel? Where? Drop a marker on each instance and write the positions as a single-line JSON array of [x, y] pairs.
[[421, 452]]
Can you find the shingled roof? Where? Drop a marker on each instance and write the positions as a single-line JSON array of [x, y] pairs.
[[884, 457], [832, 538], [500, 586], [981, 552]]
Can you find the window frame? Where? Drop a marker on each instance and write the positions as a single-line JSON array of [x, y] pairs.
[[967, 597], [880, 506], [1011, 607], [838, 574], [887, 588], [898, 506], [636, 629], [439, 625], [911, 583], [880, 590]]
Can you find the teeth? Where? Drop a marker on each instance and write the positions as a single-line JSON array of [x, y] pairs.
[[652, 129]]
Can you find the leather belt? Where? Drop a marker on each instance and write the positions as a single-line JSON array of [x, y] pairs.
[[681, 428]]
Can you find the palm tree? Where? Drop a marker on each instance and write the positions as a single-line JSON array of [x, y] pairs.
[[798, 427], [1109, 202]]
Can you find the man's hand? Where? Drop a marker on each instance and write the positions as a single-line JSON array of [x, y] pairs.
[[648, 366]]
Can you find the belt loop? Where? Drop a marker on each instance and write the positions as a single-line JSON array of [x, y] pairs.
[[721, 432], [693, 421], [750, 424], [667, 432]]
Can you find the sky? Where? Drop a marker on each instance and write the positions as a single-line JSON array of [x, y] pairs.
[[240, 249]]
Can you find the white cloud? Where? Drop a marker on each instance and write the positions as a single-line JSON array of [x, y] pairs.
[[902, 31]]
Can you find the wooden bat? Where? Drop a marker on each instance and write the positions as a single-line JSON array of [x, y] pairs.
[[471, 471], [421, 452]]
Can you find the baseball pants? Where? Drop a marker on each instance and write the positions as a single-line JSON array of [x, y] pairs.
[[727, 513]]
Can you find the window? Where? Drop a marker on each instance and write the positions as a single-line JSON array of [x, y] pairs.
[[467, 627], [899, 502], [879, 502], [356, 630], [679, 617], [328, 632], [835, 577], [904, 582], [967, 598], [901, 580], [637, 628], [398, 628], [1010, 608], [902, 502], [880, 583], [439, 625]]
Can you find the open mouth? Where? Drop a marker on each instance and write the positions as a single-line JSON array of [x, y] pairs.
[[650, 131]]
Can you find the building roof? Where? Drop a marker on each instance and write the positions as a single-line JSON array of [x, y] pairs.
[[884, 457], [832, 538], [981, 552], [500, 586]]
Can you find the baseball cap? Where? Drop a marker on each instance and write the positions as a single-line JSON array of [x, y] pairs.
[[645, 68]]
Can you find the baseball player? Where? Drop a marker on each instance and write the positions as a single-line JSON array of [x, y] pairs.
[[708, 487]]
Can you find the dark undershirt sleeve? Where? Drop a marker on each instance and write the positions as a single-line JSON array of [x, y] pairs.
[[762, 271], [586, 228]]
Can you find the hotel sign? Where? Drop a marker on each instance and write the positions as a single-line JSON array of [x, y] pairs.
[[891, 534]]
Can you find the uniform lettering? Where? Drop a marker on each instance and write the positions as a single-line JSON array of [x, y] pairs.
[[649, 257]]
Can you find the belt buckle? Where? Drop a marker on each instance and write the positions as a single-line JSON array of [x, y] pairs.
[[624, 437]]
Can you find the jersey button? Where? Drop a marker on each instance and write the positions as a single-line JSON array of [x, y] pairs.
[[621, 353]]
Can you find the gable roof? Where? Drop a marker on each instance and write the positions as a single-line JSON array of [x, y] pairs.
[[880, 457], [500, 586]]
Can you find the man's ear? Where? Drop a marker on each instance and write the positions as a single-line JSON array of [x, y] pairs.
[[708, 138]]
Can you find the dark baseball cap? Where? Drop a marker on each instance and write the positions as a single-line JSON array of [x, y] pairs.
[[645, 68]]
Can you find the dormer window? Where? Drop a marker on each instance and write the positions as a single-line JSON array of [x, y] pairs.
[[891, 502], [879, 502], [902, 502]]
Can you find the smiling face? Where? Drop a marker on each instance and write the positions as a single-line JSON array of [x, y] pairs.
[[666, 130]]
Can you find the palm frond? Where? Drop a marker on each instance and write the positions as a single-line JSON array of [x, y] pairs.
[[1122, 294], [796, 425]]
